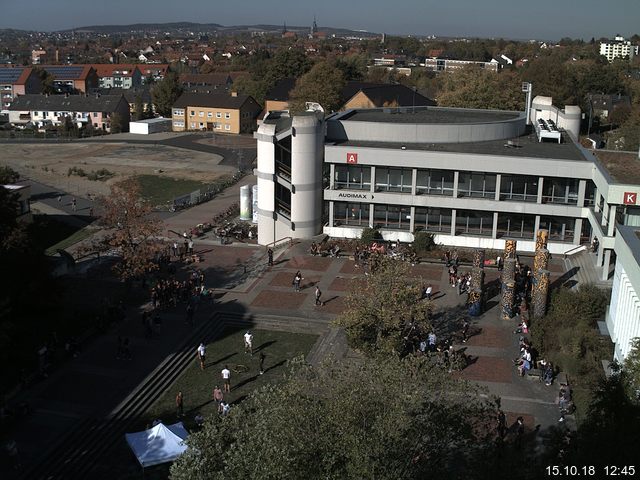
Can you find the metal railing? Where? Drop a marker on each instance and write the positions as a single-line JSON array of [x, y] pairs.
[[275, 243]]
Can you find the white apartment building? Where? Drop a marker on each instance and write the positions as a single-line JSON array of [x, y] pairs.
[[618, 48]]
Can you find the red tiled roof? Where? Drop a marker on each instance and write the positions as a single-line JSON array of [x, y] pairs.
[[109, 70]]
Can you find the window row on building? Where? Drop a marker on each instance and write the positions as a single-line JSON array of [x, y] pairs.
[[451, 221], [469, 184]]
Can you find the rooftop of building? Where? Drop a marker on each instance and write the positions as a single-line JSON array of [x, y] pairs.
[[525, 146], [428, 115], [64, 103], [624, 167], [212, 100]]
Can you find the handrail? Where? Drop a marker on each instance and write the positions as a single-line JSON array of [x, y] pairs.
[[275, 242], [573, 250]]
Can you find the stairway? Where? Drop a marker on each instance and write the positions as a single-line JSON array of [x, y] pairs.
[[583, 264]]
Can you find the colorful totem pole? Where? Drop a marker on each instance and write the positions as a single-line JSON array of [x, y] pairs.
[[540, 288], [477, 284], [508, 279]]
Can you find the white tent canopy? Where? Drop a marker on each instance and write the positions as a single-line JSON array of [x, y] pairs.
[[159, 444]]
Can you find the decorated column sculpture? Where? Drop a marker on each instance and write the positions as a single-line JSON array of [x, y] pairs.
[[510, 249], [541, 260], [540, 291], [542, 236], [508, 299], [477, 283], [508, 279]]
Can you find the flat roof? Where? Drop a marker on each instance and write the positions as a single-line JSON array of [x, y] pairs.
[[428, 115], [524, 146], [624, 167]]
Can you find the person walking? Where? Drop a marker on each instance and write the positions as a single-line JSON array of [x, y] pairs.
[[248, 342], [428, 292], [74, 204], [201, 354], [270, 257], [226, 377], [296, 281], [179, 405], [318, 295], [262, 357], [218, 396]]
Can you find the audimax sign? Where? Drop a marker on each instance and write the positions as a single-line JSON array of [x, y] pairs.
[[359, 196]]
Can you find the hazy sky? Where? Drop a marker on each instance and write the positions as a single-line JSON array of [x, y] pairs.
[[520, 19]]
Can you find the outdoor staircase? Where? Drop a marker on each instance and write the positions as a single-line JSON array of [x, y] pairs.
[[583, 264]]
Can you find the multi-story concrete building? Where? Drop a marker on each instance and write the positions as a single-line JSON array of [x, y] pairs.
[[472, 178], [217, 112], [16, 81], [451, 65], [618, 48], [623, 317]]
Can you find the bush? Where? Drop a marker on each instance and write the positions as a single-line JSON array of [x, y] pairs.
[[423, 242], [370, 235]]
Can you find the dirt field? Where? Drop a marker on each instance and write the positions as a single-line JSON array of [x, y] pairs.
[[50, 163]]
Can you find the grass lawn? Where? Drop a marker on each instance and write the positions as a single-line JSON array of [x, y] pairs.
[[197, 386], [160, 190]]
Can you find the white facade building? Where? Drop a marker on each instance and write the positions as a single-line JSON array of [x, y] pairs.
[[623, 317], [618, 48]]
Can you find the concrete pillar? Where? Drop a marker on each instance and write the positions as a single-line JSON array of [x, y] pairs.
[[332, 176], [412, 220], [606, 265], [582, 190], [596, 200], [577, 231], [371, 220], [456, 177], [373, 180], [540, 187], [494, 232], [414, 181], [331, 223], [605, 214], [612, 220], [498, 181], [453, 222]]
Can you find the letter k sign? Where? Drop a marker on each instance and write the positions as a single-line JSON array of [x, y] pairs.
[[630, 198]]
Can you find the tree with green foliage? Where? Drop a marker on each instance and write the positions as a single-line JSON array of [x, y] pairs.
[[323, 84], [46, 81], [473, 87], [386, 311], [138, 106], [165, 93], [130, 230], [117, 123], [631, 371], [383, 419], [370, 235]]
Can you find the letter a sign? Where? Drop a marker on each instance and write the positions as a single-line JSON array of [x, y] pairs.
[[630, 198], [352, 158]]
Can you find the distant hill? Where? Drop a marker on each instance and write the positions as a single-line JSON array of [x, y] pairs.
[[209, 27]]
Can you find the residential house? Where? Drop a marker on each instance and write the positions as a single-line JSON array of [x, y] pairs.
[[118, 76], [219, 112], [443, 64], [77, 78], [38, 56], [131, 95], [85, 111], [604, 104], [16, 81], [353, 95], [155, 71], [202, 82]]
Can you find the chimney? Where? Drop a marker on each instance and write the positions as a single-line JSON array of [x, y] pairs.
[[234, 93]]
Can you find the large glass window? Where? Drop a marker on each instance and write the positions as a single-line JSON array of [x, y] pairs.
[[352, 177], [283, 200], [433, 220], [476, 184], [516, 225], [351, 214], [560, 190], [471, 222], [560, 228], [590, 194], [434, 182], [393, 179], [392, 216], [519, 187]]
